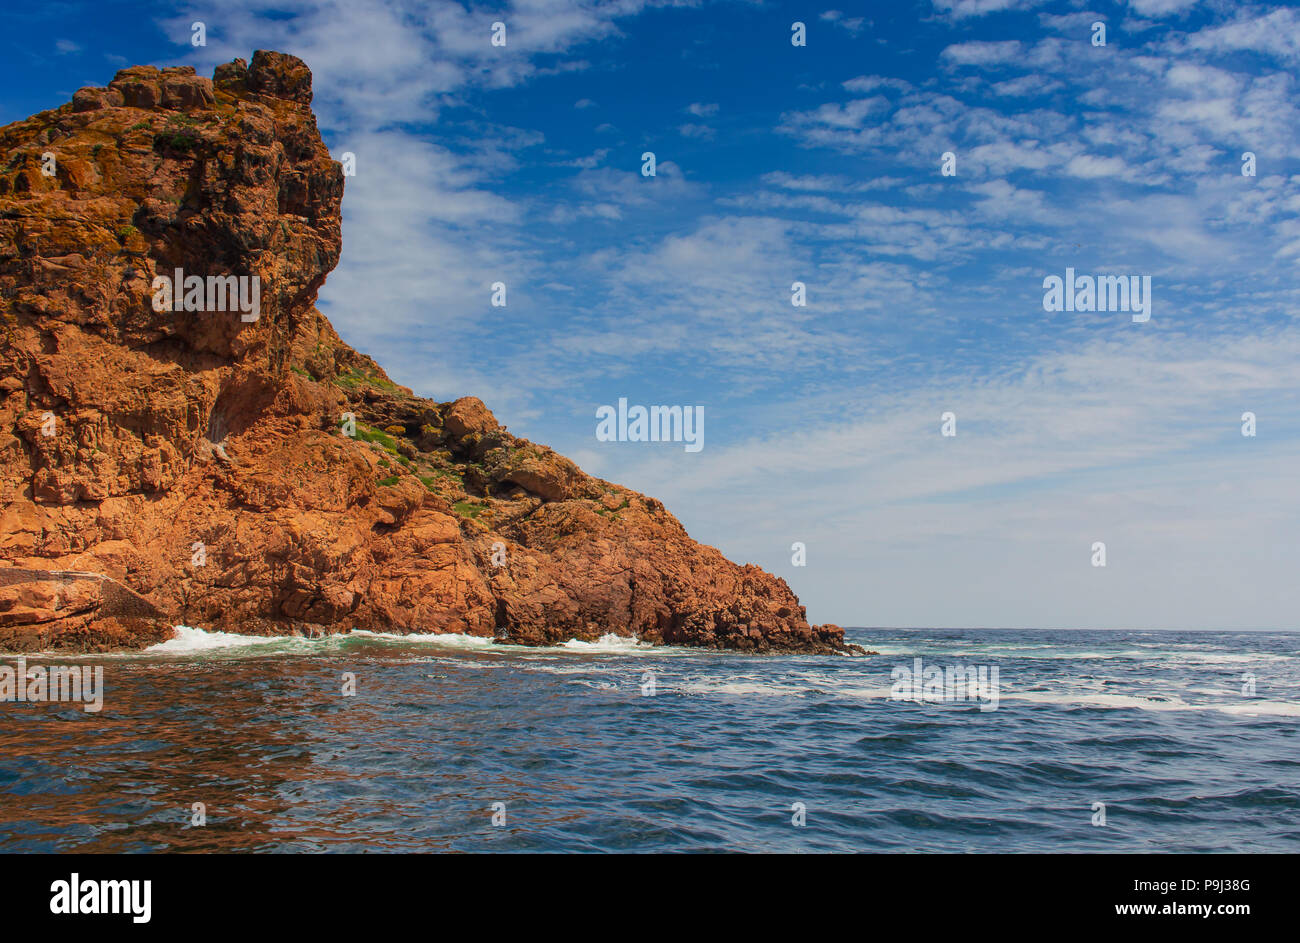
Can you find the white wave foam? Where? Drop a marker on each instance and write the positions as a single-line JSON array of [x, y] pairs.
[[748, 687], [740, 688], [1253, 708], [884, 650], [1246, 708], [1051, 652], [1223, 658], [607, 644], [189, 639], [1103, 700], [866, 694]]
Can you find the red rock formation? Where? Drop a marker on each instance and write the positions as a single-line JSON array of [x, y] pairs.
[[199, 458]]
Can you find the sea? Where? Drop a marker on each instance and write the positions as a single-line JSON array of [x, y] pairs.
[[1074, 741]]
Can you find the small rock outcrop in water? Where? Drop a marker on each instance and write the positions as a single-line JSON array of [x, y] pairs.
[[197, 461]]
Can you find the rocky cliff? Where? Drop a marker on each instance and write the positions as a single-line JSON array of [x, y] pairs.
[[237, 466]]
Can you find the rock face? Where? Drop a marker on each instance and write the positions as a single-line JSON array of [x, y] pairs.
[[57, 609], [259, 475]]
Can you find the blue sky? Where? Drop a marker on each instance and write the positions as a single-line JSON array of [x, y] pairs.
[[821, 164]]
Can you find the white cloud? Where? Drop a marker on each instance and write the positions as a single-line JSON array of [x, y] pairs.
[[850, 24], [1276, 33], [966, 9], [1161, 7], [978, 52]]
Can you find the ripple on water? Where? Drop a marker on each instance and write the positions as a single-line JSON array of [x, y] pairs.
[[440, 729]]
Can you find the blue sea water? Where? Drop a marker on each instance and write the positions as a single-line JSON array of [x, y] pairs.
[[1159, 727]]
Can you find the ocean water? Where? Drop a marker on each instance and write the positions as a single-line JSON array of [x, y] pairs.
[[572, 749]]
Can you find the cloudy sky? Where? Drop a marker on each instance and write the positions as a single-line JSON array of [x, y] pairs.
[[822, 164]]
